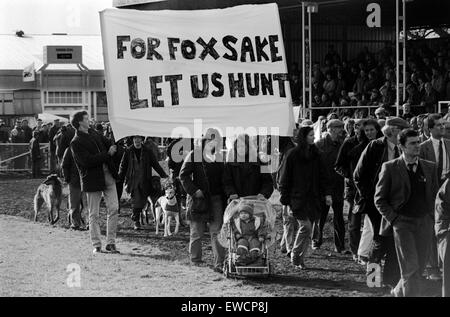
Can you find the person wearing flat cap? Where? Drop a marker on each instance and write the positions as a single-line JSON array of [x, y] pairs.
[[329, 146], [366, 176], [306, 123]]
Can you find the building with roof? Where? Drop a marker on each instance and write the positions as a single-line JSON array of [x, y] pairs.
[[69, 76]]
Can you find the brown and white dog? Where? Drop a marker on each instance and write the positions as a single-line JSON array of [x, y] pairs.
[[167, 207], [50, 192]]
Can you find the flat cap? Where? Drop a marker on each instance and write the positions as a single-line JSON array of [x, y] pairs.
[[335, 123], [306, 123], [380, 110], [397, 122]]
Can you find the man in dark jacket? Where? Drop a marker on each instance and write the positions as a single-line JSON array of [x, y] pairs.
[[201, 177], [405, 196], [4, 134], [136, 172], [42, 129], [343, 168], [436, 149], [72, 177], [51, 135], [329, 147], [28, 132], [117, 158], [36, 155], [366, 176], [442, 232], [93, 157], [63, 139]]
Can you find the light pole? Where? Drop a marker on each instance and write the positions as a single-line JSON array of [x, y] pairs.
[[311, 7], [400, 49]]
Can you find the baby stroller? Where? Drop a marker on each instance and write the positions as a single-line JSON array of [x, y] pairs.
[[262, 209]]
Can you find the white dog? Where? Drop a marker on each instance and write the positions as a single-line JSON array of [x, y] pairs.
[[167, 207]]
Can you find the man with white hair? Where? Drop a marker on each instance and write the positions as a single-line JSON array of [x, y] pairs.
[[407, 115], [4, 135], [329, 146]]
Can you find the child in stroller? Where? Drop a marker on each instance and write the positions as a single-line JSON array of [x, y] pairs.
[[249, 233]]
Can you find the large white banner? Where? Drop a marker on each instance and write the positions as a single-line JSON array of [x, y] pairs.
[[172, 73]]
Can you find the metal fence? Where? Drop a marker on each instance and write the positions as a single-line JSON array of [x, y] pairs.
[[15, 157], [443, 103]]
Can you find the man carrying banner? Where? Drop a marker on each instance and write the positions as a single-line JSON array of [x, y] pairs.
[[98, 176]]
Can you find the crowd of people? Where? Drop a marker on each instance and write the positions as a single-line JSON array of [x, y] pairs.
[[369, 80], [389, 172], [393, 176]]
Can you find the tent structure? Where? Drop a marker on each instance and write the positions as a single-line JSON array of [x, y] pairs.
[[49, 118], [421, 13]]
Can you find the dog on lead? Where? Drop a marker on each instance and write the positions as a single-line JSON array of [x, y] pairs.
[[50, 192], [167, 208]]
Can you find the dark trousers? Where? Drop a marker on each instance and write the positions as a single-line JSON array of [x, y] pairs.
[[382, 247], [433, 258], [354, 229], [119, 188], [444, 254], [136, 216], [36, 168], [75, 206], [412, 239], [391, 269], [53, 163], [338, 224]]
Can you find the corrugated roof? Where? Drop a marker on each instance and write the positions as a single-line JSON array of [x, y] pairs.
[[19, 52]]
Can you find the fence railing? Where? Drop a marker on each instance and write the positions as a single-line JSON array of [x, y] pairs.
[[307, 112], [440, 103], [15, 157]]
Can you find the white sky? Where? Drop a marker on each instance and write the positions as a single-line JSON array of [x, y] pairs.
[[51, 16]]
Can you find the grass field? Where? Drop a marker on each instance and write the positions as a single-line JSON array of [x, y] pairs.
[[149, 265]]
